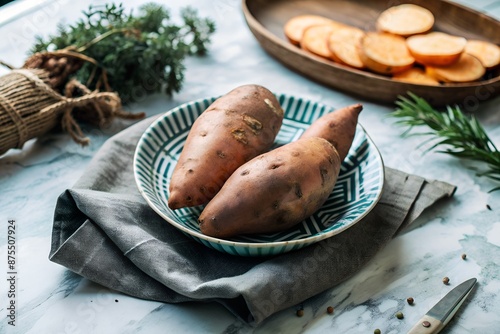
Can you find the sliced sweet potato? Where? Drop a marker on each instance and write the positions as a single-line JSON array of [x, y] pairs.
[[385, 53], [315, 40], [344, 43], [415, 75], [405, 20], [295, 27], [467, 68], [436, 48], [487, 53]]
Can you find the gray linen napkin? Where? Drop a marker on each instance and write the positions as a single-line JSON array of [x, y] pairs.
[[105, 231]]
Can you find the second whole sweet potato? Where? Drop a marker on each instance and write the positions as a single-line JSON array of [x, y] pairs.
[[274, 191], [232, 130], [338, 127]]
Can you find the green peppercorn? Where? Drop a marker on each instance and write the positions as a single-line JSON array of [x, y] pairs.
[[400, 315], [300, 313], [377, 331]]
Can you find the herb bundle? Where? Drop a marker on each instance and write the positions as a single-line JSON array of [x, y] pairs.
[[88, 70], [460, 135], [133, 55]]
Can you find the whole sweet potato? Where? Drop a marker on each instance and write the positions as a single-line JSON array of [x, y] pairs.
[[280, 188], [234, 129], [337, 127]]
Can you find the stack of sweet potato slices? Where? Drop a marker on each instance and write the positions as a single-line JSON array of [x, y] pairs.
[[404, 47]]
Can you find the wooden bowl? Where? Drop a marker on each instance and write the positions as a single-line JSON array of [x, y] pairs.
[[266, 19]]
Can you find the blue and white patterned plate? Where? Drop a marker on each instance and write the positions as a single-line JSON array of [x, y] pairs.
[[358, 188]]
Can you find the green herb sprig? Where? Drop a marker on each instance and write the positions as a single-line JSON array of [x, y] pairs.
[[140, 54], [459, 134]]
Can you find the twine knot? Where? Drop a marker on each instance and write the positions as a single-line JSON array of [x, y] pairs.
[[29, 106]]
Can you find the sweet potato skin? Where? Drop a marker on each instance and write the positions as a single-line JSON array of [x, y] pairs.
[[280, 188], [338, 127], [231, 131], [273, 191]]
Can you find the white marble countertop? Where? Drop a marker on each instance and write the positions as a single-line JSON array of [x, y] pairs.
[[51, 299]]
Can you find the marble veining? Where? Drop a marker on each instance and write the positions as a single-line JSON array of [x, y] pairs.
[[52, 299]]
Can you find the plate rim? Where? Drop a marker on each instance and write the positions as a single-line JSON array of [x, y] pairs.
[[302, 241]]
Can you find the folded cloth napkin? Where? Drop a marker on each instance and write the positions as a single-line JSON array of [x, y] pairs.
[[104, 230]]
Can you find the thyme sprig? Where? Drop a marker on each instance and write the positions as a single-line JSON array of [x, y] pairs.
[[139, 53], [458, 134]]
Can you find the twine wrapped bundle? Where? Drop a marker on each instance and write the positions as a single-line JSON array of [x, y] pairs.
[[30, 107]]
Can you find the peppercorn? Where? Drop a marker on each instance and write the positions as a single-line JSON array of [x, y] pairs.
[[410, 300], [464, 256], [400, 315], [329, 309], [446, 280], [377, 331], [300, 312]]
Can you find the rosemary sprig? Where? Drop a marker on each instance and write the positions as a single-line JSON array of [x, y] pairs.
[[459, 134]]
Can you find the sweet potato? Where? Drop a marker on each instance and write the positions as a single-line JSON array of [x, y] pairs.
[[344, 43], [436, 48], [468, 68], [405, 20], [487, 53], [338, 128], [295, 27], [280, 188], [231, 131], [416, 75], [315, 40], [385, 53]]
